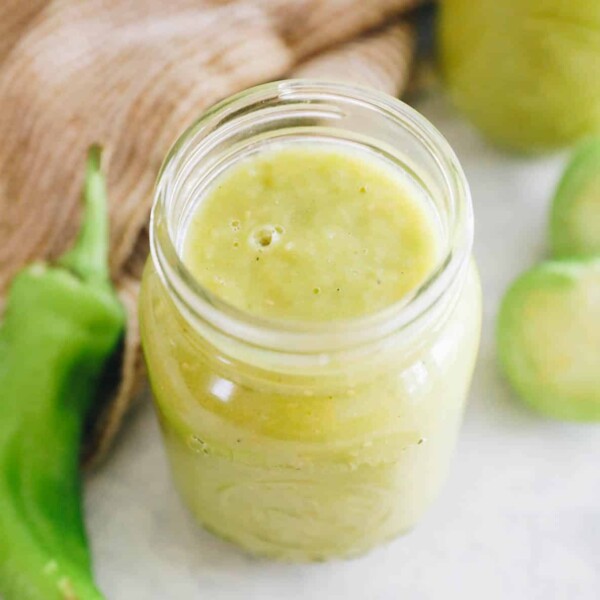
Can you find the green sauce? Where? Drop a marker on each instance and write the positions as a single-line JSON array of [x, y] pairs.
[[297, 462], [312, 232]]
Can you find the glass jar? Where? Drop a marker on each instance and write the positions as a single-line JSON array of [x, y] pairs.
[[298, 440]]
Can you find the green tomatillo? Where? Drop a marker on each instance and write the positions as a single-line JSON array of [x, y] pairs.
[[525, 71]]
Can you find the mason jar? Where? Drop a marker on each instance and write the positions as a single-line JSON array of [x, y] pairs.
[[309, 440]]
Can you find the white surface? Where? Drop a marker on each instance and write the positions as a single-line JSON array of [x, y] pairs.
[[519, 518]]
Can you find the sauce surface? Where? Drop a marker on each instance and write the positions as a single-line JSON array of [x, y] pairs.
[[312, 232]]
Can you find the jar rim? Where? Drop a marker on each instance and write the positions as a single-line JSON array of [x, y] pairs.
[[200, 305]]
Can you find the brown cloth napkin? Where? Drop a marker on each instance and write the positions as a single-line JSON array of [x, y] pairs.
[[131, 76]]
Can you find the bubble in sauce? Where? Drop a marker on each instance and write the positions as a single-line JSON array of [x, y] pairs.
[[266, 236]]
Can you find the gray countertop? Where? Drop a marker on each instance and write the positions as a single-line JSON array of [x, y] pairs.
[[519, 518]]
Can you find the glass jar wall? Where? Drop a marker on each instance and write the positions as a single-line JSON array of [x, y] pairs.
[[309, 440]]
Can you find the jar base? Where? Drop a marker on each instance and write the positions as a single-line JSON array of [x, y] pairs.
[[295, 556]]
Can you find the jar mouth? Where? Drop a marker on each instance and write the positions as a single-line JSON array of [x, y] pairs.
[[287, 106]]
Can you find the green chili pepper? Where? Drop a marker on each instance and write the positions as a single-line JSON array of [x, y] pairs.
[[62, 322]]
